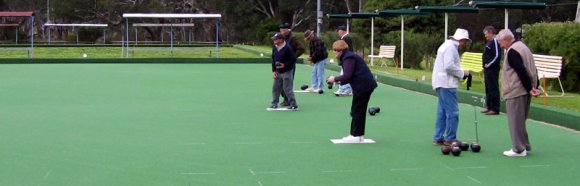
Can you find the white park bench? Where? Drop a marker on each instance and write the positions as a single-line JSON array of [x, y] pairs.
[[385, 52], [549, 67]]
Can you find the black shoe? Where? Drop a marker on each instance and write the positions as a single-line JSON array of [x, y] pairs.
[[274, 106], [285, 103]]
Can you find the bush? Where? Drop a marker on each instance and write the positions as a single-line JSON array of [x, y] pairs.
[[418, 46], [560, 39], [90, 34]]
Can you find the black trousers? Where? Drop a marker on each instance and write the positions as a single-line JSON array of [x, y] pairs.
[[360, 102], [492, 88]]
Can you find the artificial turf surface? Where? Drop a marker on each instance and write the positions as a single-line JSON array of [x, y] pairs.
[[206, 124]]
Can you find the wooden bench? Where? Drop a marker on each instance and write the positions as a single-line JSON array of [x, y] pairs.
[[549, 67], [386, 52]]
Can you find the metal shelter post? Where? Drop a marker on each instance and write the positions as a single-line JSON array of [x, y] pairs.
[[402, 40], [446, 26], [506, 19], [127, 37], [217, 38], [31, 37], [372, 38]]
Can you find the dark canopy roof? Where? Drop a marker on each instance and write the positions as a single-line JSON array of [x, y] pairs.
[[508, 5], [16, 14], [353, 15], [400, 12], [454, 9]]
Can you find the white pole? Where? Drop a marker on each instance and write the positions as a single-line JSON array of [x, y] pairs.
[[127, 37], [77, 32], [372, 38], [446, 26], [578, 12], [47, 11], [506, 19], [217, 38], [31, 37], [122, 46], [402, 40], [348, 25], [318, 18]]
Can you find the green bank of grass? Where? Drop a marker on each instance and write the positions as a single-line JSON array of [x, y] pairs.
[[135, 52], [571, 101]]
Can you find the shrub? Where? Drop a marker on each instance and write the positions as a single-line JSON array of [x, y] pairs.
[[560, 39], [418, 46]]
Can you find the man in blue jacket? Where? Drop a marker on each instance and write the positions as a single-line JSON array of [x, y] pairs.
[[283, 64], [491, 58]]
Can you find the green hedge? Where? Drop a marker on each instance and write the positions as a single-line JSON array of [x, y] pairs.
[[560, 39]]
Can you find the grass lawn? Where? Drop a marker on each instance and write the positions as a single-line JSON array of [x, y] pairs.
[[139, 52], [571, 101]]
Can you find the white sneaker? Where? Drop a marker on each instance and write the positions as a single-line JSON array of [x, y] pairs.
[[353, 139], [347, 92], [316, 90], [511, 153], [309, 89], [338, 92]]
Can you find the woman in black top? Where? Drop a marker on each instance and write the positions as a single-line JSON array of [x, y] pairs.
[[358, 74]]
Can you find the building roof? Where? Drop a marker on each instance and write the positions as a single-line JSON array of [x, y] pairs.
[[16, 14], [9, 25], [77, 25], [167, 15], [163, 24]]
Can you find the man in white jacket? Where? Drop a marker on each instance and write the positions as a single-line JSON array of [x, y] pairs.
[[447, 74]]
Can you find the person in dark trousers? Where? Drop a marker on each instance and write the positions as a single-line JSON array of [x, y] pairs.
[[344, 90], [491, 60], [318, 57], [283, 64], [295, 45], [519, 83], [358, 74]]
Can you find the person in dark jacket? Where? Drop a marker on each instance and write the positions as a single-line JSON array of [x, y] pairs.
[[491, 59], [318, 57], [295, 45], [358, 74], [283, 64], [344, 90]]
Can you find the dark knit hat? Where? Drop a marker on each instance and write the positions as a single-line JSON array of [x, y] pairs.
[[343, 28], [285, 25]]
